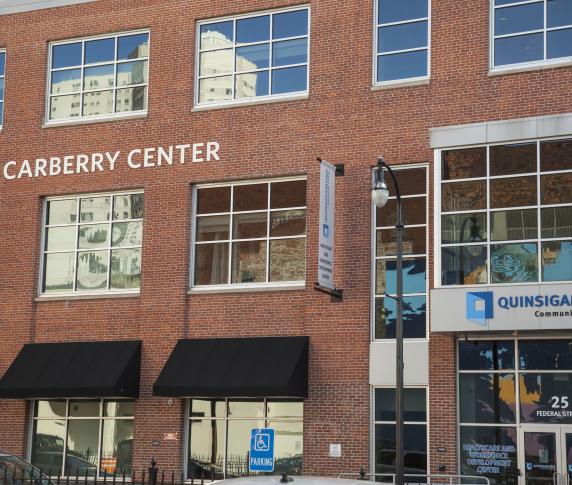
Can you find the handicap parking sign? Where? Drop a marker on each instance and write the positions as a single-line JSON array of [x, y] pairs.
[[261, 450]]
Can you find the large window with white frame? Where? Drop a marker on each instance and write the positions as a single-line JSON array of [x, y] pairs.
[[92, 243], [2, 76], [253, 56], [86, 438], [413, 185], [526, 31], [250, 233], [98, 77], [506, 213], [401, 40]]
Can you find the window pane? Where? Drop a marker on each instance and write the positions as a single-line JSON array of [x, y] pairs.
[[66, 55], [556, 189], [540, 398], [464, 228], [512, 159], [252, 57], [402, 66], [411, 181], [1, 112], [254, 29], [127, 234], [60, 238], [249, 262], [284, 409], [559, 43], [68, 81], [84, 409], [557, 261], [246, 408], [238, 446], [514, 225], [287, 259], [288, 447], [402, 36], [288, 223], [99, 77], [50, 409], [128, 206], [414, 211], [483, 355], [250, 225], [216, 62], [414, 405], [513, 192], [48, 445], [289, 80], [126, 268], [460, 196], [545, 354], [414, 241], [130, 73], [2, 89], [414, 317], [250, 197], [290, 24], [251, 84], [215, 89], [118, 408], [211, 264], [556, 155], [82, 447], [63, 107], [514, 263], [132, 99], [558, 13], [415, 444], [216, 35], [413, 276], [212, 228], [92, 270], [396, 10], [487, 398], [133, 46], [466, 265], [556, 222], [101, 50], [522, 48], [98, 103], [521, 18], [116, 447], [206, 449], [59, 272], [93, 236], [466, 163], [2, 62], [95, 209], [290, 52], [288, 194], [208, 408], [213, 200]]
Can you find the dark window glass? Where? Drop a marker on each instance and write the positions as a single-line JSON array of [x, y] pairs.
[[411, 181], [133, 46], [415, 445], [559, 43], [546, 398], [514, 225], [514, 263], [288, 194], [250, 197], [2, 62], [251, 84], [287, 260], [466, 163], [413, 211], [520, 18], [211, 264], [254, 29], [465, 265], [66, 55], [557, 261], [214, 228], [545, 354], [249, 262], [512, 159], [513, 192], [461, 196], [487, 398], [250, 225], [414, 241], [414, 276], [288, 223], [219, 34], [556, 188], [414, 317], [402, 36], [556, 155], [556, 222], [521, 48], [414, 404], [290, 80], [99, 50], [397, 11], [485, 355], [402, 66], [290, 52], [252, 57], [558, 13], [478, 443], [290, 24], [464, 228], [48, 445]]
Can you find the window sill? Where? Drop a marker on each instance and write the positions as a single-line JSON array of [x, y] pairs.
[[251, 102], [516, 68], [87, 296], [98, 119], [245, 288], [402, 83]]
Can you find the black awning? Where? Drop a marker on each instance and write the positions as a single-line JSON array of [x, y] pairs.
[[236, 367], [76, 369]]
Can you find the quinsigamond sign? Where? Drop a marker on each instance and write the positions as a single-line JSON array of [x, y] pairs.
[[522, 307]]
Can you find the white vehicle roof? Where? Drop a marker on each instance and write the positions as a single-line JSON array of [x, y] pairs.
[[294, 480]]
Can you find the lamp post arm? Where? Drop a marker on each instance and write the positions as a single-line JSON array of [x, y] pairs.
[[382, 164]]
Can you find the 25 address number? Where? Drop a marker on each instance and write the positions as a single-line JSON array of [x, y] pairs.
[[559, 402]]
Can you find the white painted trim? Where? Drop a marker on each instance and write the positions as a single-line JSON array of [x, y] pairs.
[[245, 288], [86, 296], [97, 119], [276, 98], [18, 6], [402, 83]]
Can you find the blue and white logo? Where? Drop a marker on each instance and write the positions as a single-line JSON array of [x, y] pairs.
[[530, 466], [326, 230], [261, 450], [480, 307]]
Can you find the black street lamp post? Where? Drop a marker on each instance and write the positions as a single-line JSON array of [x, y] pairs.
[[380, 195]]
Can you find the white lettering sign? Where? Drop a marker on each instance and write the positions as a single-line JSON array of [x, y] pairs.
[[326, 229]]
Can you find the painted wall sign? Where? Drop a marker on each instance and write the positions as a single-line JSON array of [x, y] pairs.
[[326, 229], [108, 161]]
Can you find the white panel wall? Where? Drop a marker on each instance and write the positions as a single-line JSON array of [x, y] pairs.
[[382, 363]]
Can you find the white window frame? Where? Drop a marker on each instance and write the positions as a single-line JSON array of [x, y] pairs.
[[109, 292], [101, 117], [522, 66], [407, 80], [279, 285], [375, 257], [488, 210], [3, 78], [255, 99]]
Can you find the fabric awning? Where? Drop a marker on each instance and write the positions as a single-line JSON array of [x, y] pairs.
[[236, 367], [76, 369]]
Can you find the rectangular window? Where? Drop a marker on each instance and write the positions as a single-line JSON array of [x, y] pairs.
[[89, 438], [98, 77], [2, 75], [92, 243], [512, 226], [527, 31], [413, 186], [253, 56], [219, 436], [401, 40], [415, 439], [250, 233]]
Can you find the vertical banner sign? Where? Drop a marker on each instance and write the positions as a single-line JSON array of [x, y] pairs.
[[326, 230]]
